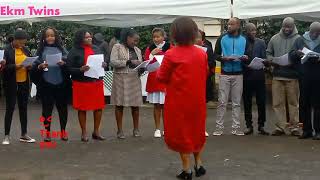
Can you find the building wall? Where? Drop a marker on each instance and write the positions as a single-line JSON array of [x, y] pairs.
[[213, 31]]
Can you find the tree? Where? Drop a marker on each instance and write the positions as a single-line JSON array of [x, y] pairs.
[[67, 30]]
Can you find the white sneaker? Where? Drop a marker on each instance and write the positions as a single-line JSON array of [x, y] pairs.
[[157, 133], [218, 132], [27, 139], [237, 132], [207, 135], [6, 140]]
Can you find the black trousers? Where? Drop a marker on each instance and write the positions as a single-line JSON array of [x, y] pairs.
[[310, 103], [210, 87], [12, 95], [257, 87], [301, 111], [54, 95]]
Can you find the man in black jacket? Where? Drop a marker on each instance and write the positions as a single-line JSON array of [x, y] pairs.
[[254, 81], [16, 84], [212, 65], [310, 79]]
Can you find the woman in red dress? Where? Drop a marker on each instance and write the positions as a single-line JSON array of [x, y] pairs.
[[184, 71], [87, 93], [155, 89]]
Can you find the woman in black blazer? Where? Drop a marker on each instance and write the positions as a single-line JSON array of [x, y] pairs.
[[16, 84], [87, 93]]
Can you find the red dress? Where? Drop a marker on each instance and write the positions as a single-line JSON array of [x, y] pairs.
[[153, 85], [184, 71], [88, 95]]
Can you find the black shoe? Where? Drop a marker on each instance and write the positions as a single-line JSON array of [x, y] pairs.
[[248, 131], [278, 133], [201, 171], [306, 135], [98, 137], [185, 176], [47, 139], [64, 136], [263, 132], [316, 136]]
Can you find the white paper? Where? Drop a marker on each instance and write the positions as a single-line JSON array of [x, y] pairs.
[[307, 53], [1, 54], [203, 48], [33, 92], [306, 50], [256, 64], [95, 63], [159, 58], [153, 67], [282, 60], [144, 64], [29, 60], [53, 59]]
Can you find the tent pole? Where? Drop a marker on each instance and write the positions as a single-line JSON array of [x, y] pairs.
[[232, 8]]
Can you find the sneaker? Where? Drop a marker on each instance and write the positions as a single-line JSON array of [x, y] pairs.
[[185, 176], [263, 132], [27, 139], [206, 133], [136, 133], [306, 135], [218, 132], [248, 131], [278, 132], [295, 133], [316, 136], [120, 135], [47, 139], [6, 140], [237, 132], [157, 133], [201, 171]]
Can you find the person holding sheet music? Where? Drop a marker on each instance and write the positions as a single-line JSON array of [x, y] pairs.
[[52, 79], [126, 83], [254, 81], [210, 89], [199, 42], [285, 86], [310, 80], [229, 50], [155, 89], [16, 84], [87, 92]]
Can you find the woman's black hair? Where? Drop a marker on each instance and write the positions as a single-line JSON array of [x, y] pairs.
[[117, 33], [9, 38], [125, 33], [20, 34], [43, 42], [79, 37], [184, 30]]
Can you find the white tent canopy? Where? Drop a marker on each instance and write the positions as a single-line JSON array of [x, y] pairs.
[[120, 13], [305, 10]]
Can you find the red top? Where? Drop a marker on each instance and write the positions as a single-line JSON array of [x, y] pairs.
[[81, 100], [184, 71], [153, 85], [87, 52]]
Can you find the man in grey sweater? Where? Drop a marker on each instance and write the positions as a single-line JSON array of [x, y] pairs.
[[285, 85]]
